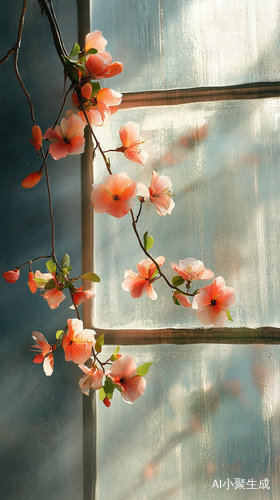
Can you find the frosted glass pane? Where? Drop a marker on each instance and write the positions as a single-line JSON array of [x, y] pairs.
[[226, 211], [181, 43], [209, 413]]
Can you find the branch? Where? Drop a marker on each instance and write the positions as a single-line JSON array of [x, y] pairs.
[[20, 29]]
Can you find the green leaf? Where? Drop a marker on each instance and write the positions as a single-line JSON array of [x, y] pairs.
[[75, 50], [176, 301], [114, 355], [91, 277], [65, 263], [50, 265], [68, 285], [154, 274], [50, 285], [59, 333], [228, 315], [102, 394], [99, 343], [96, 87], [109, 386], [39, 281], [80, 68], [177, 280], [143, 369], [92, 51], [148, 241]]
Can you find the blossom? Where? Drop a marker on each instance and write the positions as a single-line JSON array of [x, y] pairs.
[[77, 343], [80, 296], [138, 284], [124, 373], [132, 140], [213, 301], [183, 299], [191, 269], [32, 179], [99, 108], [11, 276], [68, 137], [115, 195], [32, 282], [100, 65], [92, 380], [160, 194], [46, 354], [53, 295], [37, 137]]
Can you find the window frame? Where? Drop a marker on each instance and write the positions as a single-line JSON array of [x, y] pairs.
[[177, 336]]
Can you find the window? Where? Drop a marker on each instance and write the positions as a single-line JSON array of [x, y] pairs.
[[200, 80]]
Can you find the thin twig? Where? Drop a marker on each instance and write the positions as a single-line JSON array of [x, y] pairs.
[[162, 275], [107, 163], [20, 29], [63, 104]]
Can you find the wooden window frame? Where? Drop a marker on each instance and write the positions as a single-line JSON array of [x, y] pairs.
[[263, 335]]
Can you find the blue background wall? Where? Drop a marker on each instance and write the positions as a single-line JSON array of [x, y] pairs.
[[41, 417]]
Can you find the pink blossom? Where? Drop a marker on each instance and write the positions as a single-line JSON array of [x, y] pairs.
[[81, 295], [92, 380], [191, 269], [11, 276], [46, 354], [183, 299], [124, 373], [100, 107], [54, 296], [68, 137], [100, 65], [138, 284], [160, 194], [77, 343], [132, 140], [213, 301], [114, 196], [37, 137]]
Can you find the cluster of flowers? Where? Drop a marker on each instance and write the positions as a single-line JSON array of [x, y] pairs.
[[116, 195], [79, 346], [212, 302]]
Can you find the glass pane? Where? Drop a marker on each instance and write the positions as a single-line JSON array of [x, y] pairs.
[[223, 159], [183, 43], [206, 427]]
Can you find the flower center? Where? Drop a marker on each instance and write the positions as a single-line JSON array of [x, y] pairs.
[[213, 302], [115, 197]]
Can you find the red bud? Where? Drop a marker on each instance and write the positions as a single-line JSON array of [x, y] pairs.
[[32, 179], [11, 276], [32, 282], [107, 402]]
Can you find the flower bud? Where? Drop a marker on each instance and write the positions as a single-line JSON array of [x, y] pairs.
[[11, 276], [107, 402], [32, 282], [32, 179], [37, 137]]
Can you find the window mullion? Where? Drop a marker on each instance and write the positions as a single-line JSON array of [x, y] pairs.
[[262, 335], [259, 90]]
